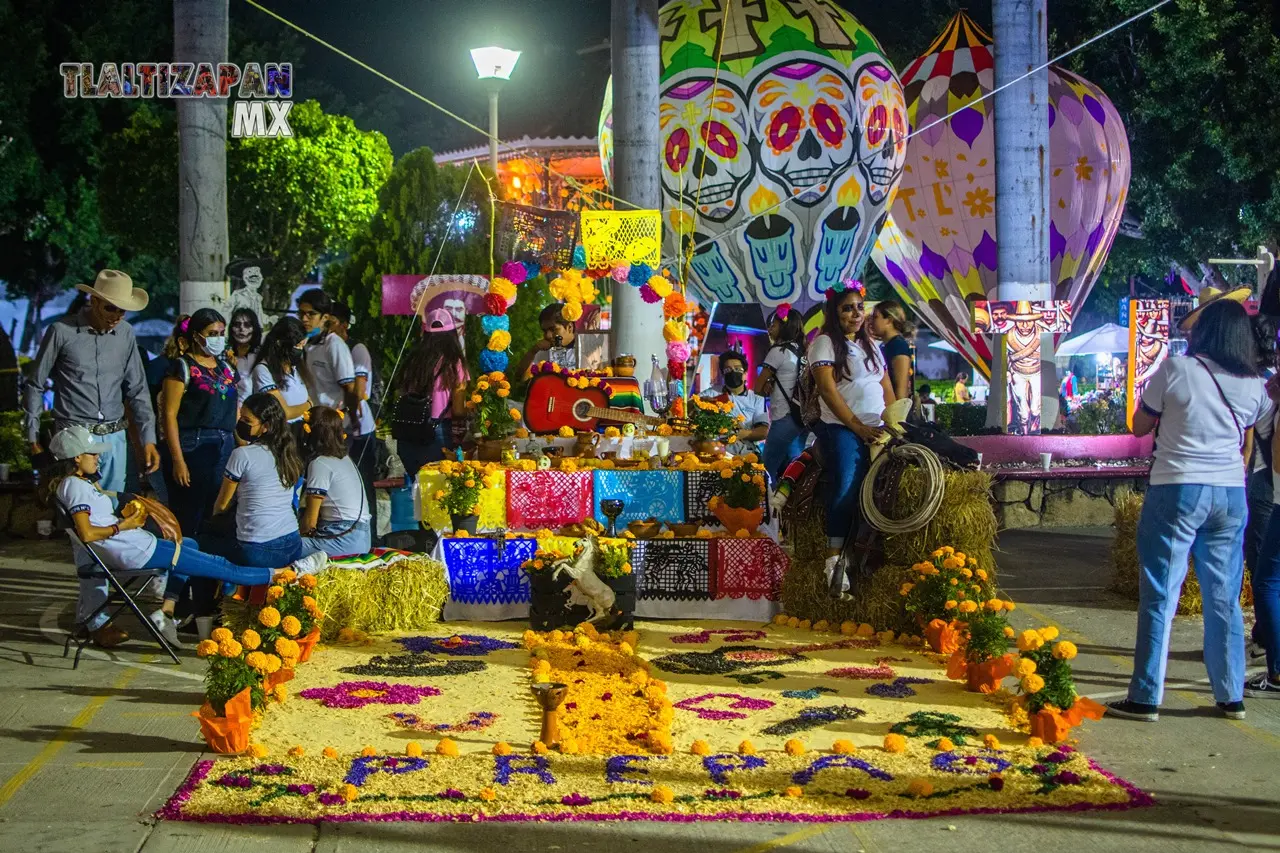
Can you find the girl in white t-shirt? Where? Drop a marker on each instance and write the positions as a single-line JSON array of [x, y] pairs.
[[335, 510], [854, 389], [119, 540], [261, 475], [281, 368], [778, 378]]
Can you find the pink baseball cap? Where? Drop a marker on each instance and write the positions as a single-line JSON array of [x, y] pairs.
[[439, 320]]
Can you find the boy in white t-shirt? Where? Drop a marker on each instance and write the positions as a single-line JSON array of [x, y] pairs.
[[364, 439]]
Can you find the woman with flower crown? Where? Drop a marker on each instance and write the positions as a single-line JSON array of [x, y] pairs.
[[853, 387]]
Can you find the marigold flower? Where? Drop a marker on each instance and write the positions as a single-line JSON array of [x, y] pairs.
[[256, 661], [661, 794], [821, 625], [746, 748], [805, 625], [230, 649], [1049, 634], [413, 749], [950, 605], [286, 576], [794, 747], [502, 748], [220, 634], [273, 664], [995, 605], [848, 628], [1026, 666], [280, 693], [274, 594], [968, 606], [990, 741], [368, 752], [944, 744], [794, 791], [1035, 742], [447, 747], [287, 648], [307, 582], [291, 626], [207, 648], [250, 639], [843, 747], [895, 743], [700, 747], [269, 617], [329, 752], [539, 748], [981, 574], [793, 622], [257, 750], [1009, 632], [297, 752], [920, 787], [865, 630], [1009, 605], [349, 792], [1065, 650], [488, 795], [1029, 641], [1032, 683]]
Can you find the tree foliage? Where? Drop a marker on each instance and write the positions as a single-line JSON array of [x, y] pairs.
[[414, 231]]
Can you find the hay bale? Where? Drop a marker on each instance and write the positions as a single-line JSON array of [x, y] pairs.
[[965, 521], [405, 596]]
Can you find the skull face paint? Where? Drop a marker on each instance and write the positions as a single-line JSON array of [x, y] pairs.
[[882, 150], [802, 118], [705, 158]]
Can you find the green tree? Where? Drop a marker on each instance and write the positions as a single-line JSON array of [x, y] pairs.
[[414, 232]]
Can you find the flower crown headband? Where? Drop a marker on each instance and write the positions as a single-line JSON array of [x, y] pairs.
[[845, 286]]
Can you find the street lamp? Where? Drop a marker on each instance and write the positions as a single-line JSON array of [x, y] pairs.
[[494, 64]]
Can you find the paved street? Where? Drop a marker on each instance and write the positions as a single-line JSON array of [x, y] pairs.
[[87, 755]]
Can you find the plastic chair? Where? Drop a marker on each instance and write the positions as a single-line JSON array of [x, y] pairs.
[[124, 585]]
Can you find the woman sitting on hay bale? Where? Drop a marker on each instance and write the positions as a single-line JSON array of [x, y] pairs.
[[1205, 405], [854, 390]]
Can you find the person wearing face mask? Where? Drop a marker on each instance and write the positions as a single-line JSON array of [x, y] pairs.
[[198, 400], [779, 380], [281, 369], [747, 405]]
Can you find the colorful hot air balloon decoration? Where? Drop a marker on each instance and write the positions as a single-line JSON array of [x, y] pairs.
[[938, 248], [802, 108]]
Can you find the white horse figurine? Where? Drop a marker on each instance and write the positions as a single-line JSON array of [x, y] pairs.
[[594, 593]]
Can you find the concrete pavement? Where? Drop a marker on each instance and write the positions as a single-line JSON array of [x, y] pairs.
[[87, 755]]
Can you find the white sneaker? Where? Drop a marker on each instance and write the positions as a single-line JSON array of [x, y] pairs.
[[311, 564], [167, 626], [1254, 650], [155, 589]]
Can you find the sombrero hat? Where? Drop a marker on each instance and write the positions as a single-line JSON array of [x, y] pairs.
[[117, 288], [1024, 311], [1210, 294]]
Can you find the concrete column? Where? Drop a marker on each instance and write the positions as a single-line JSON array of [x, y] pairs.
[[493, 129], [637, 327], [200, 35], [1022, 180]]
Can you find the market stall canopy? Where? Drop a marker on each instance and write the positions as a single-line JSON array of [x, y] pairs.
[[1104, 339]]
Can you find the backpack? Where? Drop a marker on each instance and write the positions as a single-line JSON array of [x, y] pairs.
[[807, 397]]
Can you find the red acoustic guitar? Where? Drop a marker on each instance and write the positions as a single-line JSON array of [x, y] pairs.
[[552, 404]]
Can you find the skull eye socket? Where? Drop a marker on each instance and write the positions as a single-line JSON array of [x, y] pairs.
[[877, 124], [828, 123], [720, 139], [785, 128], [677, 149], [899, 129]]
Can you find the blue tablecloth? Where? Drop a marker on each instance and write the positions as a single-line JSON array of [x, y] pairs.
[[647, 494]]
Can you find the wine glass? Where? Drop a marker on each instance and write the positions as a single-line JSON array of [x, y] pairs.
[[612, 508]]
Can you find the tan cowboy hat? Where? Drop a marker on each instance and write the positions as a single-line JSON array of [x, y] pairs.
[[117, 288], [1024, 311], [1210, 294]]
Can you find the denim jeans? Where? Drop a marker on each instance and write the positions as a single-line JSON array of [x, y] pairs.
[[113, 462], [1260, 498], [414, 455], [206, 452], [346, 540], [192, 563], [846, 460], [784, 442], [364, 452], [1206, 523], [1266, 594]]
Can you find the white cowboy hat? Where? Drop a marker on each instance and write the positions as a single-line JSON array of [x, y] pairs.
[[1210, 294], [117, 288]]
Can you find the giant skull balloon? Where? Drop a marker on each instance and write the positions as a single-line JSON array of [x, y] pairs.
[[939, 247], [767, 146]]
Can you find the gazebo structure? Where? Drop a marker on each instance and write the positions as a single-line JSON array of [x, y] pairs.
[[553, 172]]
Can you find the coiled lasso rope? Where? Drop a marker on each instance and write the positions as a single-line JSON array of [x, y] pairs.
[[934, 485]]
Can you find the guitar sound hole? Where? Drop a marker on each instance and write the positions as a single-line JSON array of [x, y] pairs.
[[581, 408]]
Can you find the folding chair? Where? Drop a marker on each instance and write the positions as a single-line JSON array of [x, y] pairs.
[[123, 585]]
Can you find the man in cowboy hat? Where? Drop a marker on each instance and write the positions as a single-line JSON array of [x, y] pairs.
[[92, 358], [1024, 370]]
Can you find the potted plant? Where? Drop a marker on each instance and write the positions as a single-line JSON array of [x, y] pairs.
[[496, 421], [461, 493], [233, 688], [739, 504], [292, 614], [615, 570], [15, 452], [1047, 687], [932, 583], [983, 659], [712, 423], [549, 597]]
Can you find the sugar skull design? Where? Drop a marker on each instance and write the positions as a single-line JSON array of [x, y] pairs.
[[882, 149], [706, 161]]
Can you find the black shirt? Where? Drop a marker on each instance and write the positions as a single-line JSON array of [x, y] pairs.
[[209, 401], [894, 348]]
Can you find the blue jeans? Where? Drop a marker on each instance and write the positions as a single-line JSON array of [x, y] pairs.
[[206, 452], [1266, 594], [357, 541], [1207, 523], [1260, 498], [846, 460], [113, 463], [192, 563], [784, 442]]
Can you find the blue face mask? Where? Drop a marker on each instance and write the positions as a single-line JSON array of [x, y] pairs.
[[315, 333], [215, 345]]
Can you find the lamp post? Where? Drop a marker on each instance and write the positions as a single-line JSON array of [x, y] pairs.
[[494, 64]]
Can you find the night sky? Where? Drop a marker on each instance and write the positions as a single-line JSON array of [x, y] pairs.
[[426, 44]]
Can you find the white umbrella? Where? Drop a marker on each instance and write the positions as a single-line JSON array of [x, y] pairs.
[[943, 345], [1104, 339]]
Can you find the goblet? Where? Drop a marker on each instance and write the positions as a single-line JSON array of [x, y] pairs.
[[612, 508], [549, 695]]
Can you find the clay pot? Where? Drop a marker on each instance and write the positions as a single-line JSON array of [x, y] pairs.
[[491, 449], [467, 522], [645, 529], [228, 734], [708, 447], [735, 519], [985, 677], [1050, 726], [587, 445], [307, 644], [624, 365]]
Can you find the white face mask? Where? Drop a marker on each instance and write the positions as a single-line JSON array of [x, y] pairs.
[[215, 345]]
